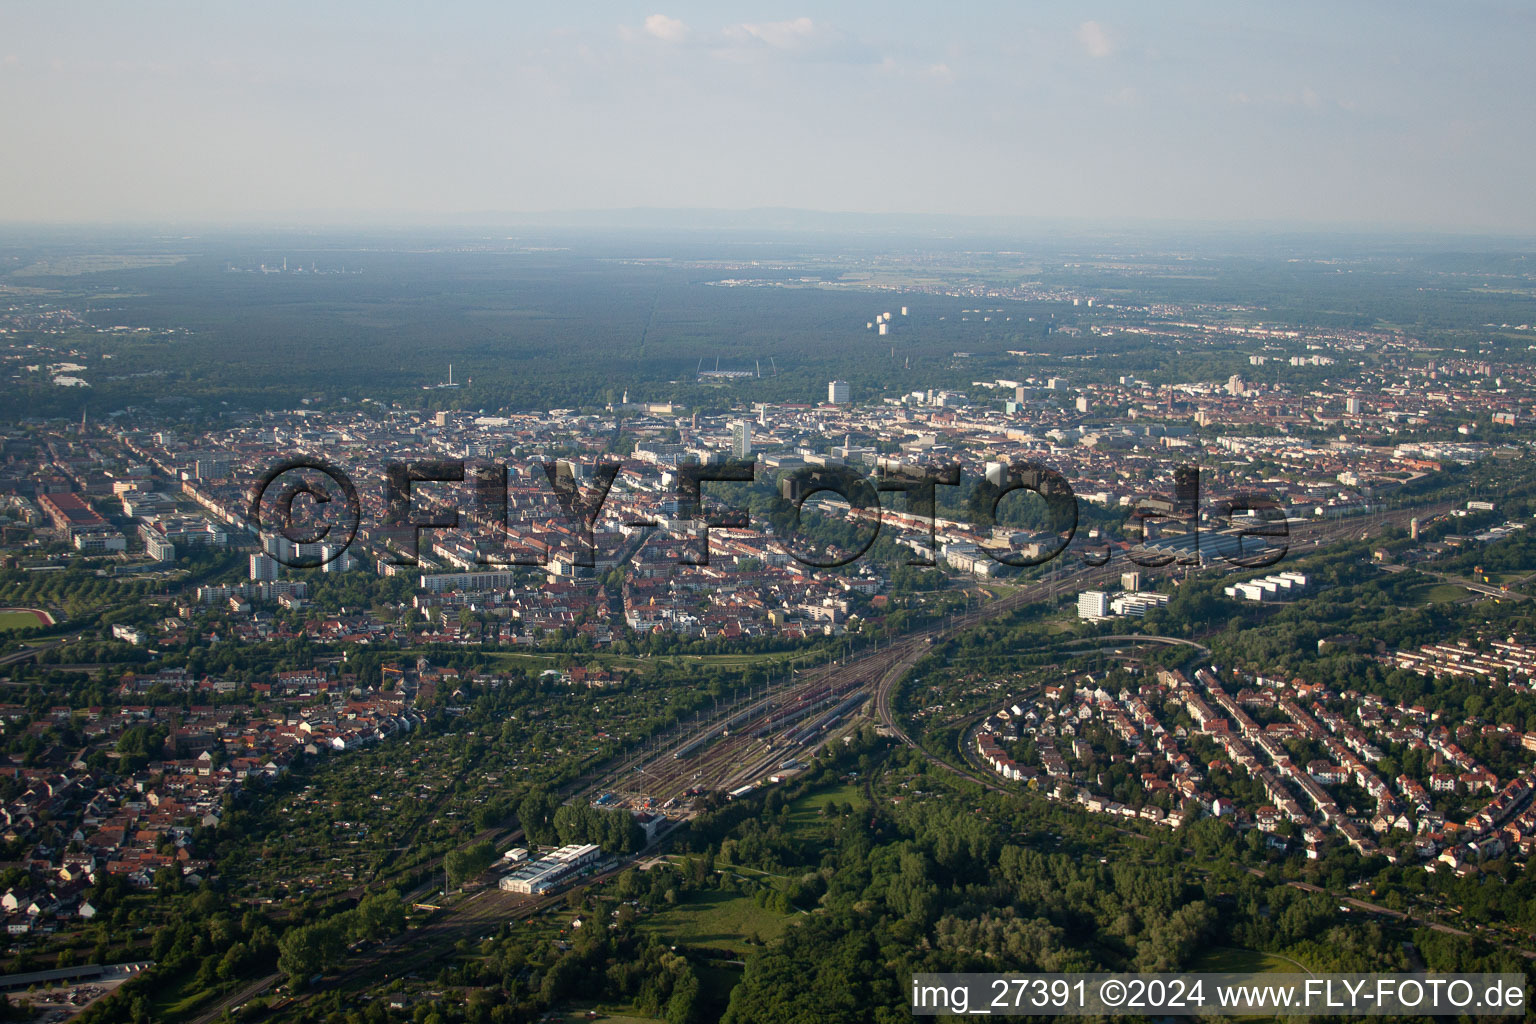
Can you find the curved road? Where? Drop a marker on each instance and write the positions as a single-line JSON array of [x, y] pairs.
[[890, 665]]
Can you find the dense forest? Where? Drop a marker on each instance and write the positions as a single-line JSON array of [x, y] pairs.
[[196, 331]]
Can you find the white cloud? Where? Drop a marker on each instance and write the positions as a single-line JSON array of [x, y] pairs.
[[798, 39], [1094, 39], [669, 30], [781, 35]]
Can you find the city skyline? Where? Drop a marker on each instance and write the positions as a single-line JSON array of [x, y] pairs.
[[742, 513]]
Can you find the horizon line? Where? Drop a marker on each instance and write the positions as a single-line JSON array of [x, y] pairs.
[[793, 220]]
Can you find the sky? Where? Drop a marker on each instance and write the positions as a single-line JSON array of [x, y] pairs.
[[1387, 115]]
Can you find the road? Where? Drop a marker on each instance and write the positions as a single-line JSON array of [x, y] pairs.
[[1487, 590], [28, 653], [726, 762], [879, 670]]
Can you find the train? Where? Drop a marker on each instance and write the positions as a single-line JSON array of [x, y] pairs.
[[741, 718], [824, 721], [787, 716], [760, 723], [689, 747]]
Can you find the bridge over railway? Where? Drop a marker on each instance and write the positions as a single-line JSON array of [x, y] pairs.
[[1141, 638]]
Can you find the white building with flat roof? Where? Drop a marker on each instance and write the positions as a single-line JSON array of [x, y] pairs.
[[542, 875], [1278, 587], [1092, 604]]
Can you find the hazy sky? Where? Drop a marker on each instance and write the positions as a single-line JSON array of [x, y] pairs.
[[1393, 114]]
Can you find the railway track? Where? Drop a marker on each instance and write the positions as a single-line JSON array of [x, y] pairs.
[[741, 757], [766, 732], [729, 761]]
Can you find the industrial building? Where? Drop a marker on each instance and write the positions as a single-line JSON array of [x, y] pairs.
[[70, 515], [542, 875]]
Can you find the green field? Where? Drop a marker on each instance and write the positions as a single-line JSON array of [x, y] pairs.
[[718, 920], [1232, 960], [18, 620], [804, 813], [1440, 593], [579, 1011]]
